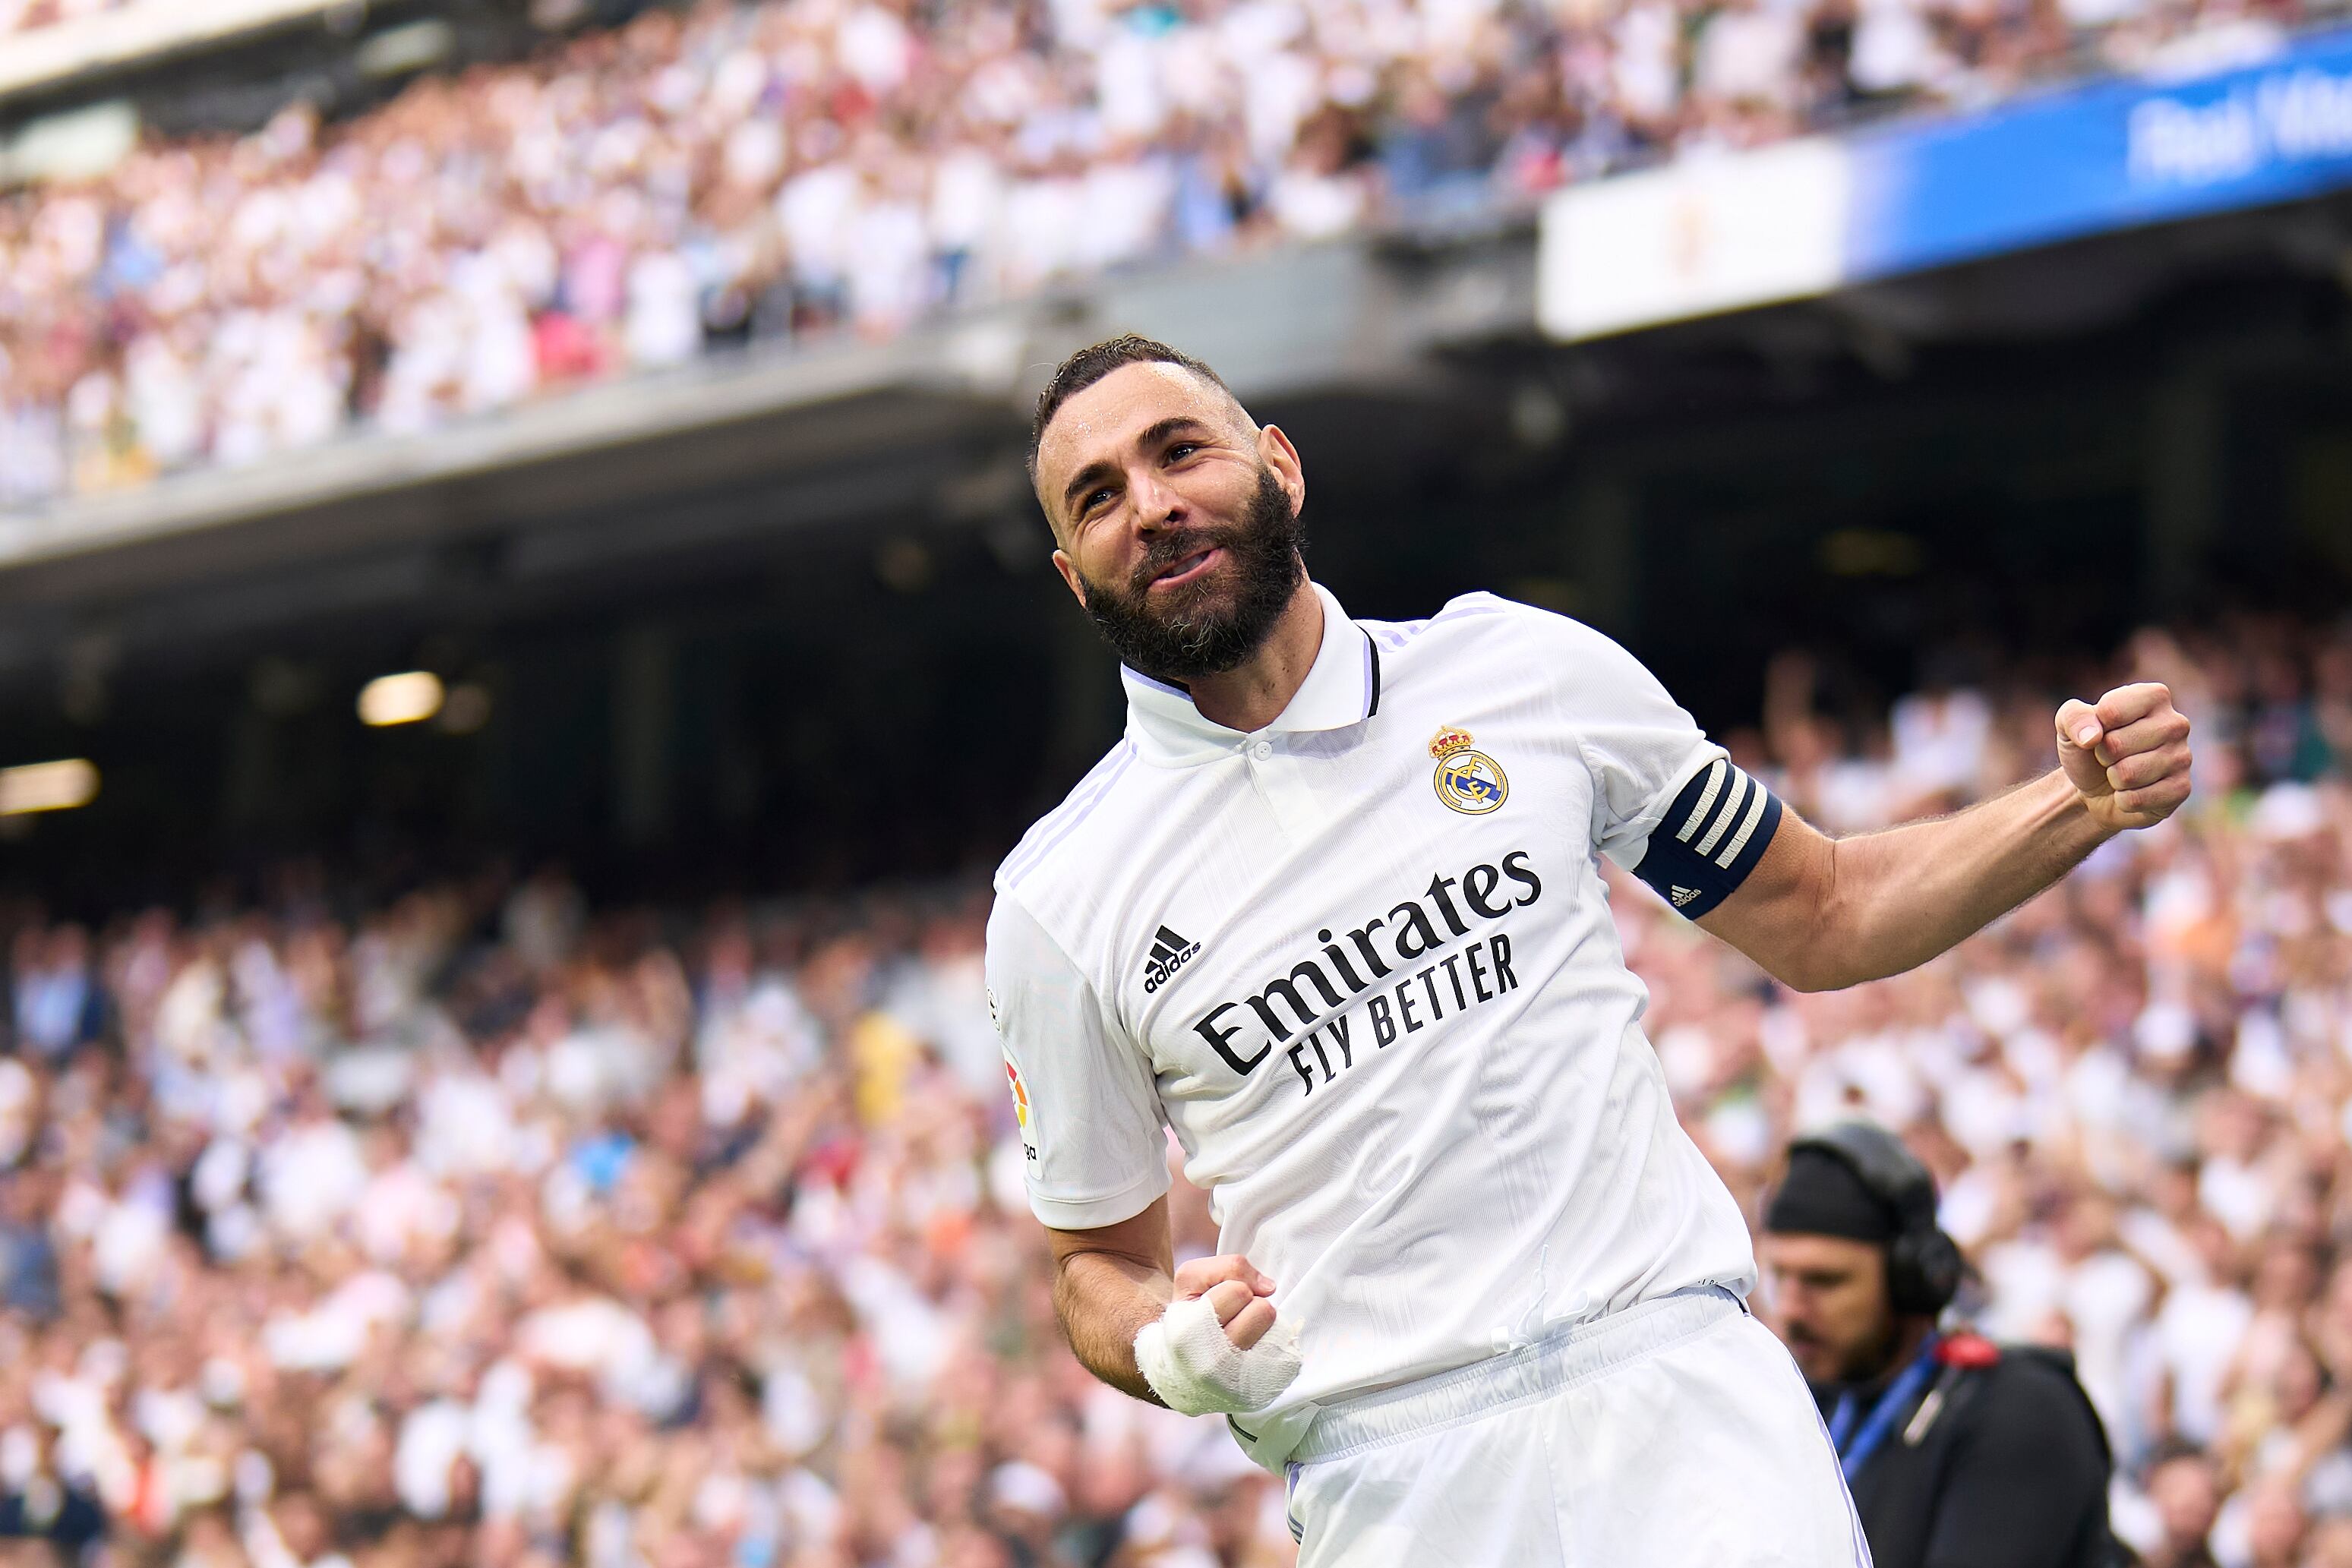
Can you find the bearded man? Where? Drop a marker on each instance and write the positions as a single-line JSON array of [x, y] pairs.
[[1331, 913]]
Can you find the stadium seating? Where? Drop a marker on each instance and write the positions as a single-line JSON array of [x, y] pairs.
[[629, 200], [476, 1225]]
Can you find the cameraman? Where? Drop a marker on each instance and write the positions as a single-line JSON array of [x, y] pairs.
[[1959, 1453]]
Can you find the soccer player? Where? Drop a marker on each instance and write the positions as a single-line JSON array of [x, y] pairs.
[[1332, 912]]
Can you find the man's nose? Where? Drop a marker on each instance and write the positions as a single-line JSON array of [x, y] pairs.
[[1157, 505]]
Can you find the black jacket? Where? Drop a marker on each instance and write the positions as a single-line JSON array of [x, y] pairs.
[[2009, 1470]]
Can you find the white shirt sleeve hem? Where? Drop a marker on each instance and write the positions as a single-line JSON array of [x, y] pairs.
[[1702, 758], [1092, 1212]]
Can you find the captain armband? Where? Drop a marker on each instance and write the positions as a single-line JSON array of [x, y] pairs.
[[1709, 839]]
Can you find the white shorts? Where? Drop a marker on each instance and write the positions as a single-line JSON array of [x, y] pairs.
[[1675, 1434]]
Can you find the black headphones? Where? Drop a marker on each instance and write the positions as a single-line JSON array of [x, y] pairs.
[[1923, 1264]]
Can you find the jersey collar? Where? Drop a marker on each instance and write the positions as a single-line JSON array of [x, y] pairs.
[[1342, 687]]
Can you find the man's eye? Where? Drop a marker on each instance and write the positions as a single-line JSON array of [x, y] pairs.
[[1094, 497], [1184, 449]]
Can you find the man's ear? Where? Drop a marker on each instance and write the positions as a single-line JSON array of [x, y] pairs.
[[1070, 578], [1274, 450]]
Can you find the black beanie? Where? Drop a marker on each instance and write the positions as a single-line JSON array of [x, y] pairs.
[[1820, 1196]]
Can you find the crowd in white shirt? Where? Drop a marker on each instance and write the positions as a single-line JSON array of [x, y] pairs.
[[472, 1226], [629, 199]]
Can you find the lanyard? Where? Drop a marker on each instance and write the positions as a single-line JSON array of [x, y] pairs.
[[1853, 1453]]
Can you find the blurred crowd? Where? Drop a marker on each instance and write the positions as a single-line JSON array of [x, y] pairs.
[[2136, 1092], [631, 198], [476, 1226], [474, 1230]]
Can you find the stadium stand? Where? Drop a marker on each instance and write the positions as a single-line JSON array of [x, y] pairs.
[[416, 1212], [469, 1224], [633, 199]]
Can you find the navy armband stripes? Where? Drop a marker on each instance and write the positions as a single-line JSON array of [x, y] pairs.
[[1709, 839]]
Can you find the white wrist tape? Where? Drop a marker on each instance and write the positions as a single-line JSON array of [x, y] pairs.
[[1190, 1363]]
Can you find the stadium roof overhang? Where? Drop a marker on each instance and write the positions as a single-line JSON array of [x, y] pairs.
[[137, 34]]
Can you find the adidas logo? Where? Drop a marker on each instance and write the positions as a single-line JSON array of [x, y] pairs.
[[1683, 896], [1168, 954]]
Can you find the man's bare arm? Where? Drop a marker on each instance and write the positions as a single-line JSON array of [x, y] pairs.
[[1820, 914], [1109, 1283]]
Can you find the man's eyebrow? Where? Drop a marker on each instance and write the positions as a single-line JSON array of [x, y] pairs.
[[1152, 436], [1101, 468]]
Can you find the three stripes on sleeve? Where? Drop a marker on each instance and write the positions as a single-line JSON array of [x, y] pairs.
[[1710, 838]]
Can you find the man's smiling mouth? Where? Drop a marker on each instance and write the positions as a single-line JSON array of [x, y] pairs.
[[1186, 569]]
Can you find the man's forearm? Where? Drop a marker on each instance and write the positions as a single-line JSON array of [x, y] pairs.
[[1899, 897], [1821, 914], [1104, 1301]]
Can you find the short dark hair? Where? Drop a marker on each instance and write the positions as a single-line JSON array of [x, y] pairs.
[[1093, 362]]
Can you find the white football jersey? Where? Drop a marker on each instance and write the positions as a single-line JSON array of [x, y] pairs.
[[1361, 962]]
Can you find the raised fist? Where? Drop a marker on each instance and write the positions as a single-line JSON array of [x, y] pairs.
[[2127, 754]]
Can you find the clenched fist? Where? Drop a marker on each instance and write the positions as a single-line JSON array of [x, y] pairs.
[[1212, 1350], [2127, 754], [1237, 1290]]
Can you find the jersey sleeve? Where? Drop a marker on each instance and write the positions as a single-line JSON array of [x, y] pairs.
[[1084, 1096], [1668, 804]]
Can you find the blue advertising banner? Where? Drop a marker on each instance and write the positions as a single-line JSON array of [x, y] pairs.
[[2112, 156]]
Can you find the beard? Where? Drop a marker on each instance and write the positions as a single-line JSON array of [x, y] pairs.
[[1858, 1365], [1200, 628]]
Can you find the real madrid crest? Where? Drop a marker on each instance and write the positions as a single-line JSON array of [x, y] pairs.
[[1469, 781]]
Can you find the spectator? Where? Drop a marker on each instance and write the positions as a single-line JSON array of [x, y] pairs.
[[480, 1225], [786, 167]]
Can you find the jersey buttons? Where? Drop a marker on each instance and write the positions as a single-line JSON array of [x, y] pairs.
[[1262, 751]]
